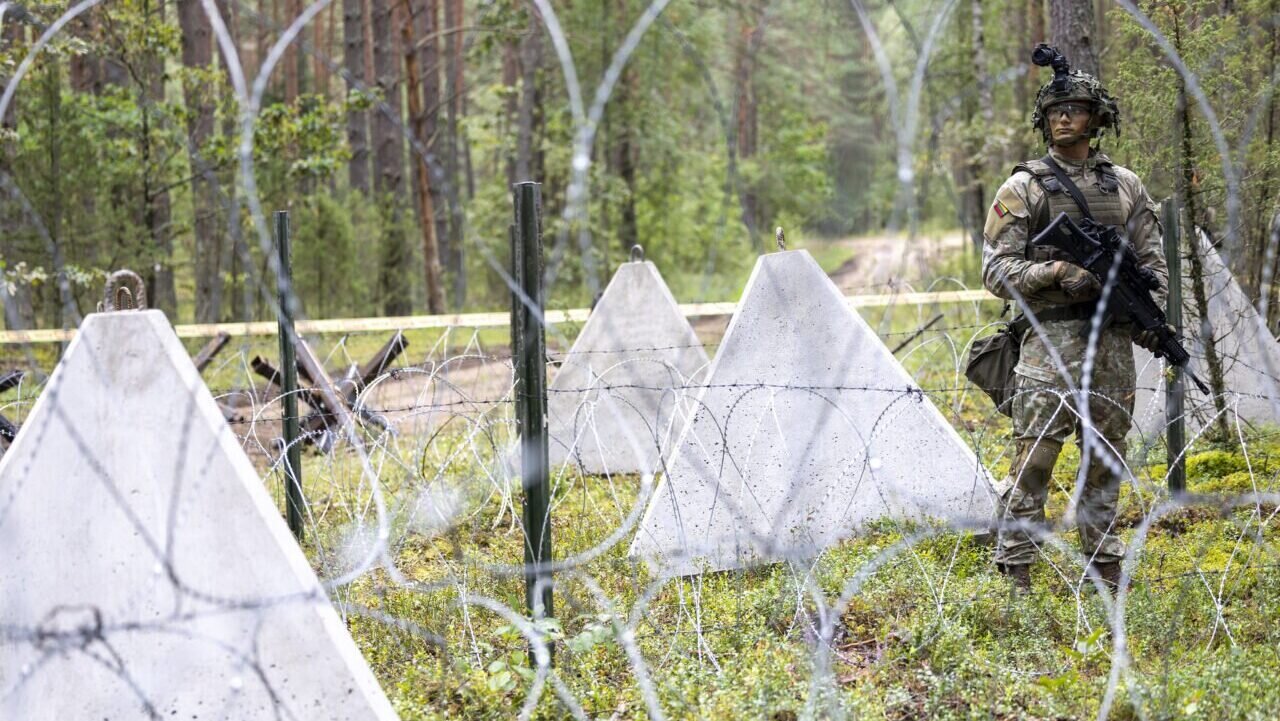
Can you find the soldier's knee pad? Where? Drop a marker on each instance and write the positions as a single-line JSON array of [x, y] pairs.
[[1038, 455]]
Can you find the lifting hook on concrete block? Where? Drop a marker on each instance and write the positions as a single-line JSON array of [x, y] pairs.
[[118, 295], [637, 253], [782, 239]]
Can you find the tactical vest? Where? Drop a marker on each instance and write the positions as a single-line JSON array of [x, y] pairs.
[[1102, 195]]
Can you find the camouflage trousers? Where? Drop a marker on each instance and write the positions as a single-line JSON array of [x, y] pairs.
[[1045, 412]]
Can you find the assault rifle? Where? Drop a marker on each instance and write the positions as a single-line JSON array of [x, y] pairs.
[[1094, 247]]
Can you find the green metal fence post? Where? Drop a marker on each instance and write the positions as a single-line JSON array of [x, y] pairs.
[[528, 344], [294, 501], [1176, 434]]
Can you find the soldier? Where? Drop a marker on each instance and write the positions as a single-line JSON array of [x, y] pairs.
[[1070, 111]]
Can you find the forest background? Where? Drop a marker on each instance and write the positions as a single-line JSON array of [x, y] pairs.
[[393, 129]]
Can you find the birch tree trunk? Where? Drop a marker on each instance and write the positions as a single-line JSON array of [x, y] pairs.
[[157, 209]]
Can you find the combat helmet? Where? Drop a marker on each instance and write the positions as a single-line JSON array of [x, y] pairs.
[[1068, 84]]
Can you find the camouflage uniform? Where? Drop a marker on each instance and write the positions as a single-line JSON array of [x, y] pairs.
[[1044, 412]]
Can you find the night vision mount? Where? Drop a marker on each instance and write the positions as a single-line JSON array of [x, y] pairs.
[[1046, 56]]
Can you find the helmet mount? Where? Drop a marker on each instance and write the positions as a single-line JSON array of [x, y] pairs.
[[1068, 85]]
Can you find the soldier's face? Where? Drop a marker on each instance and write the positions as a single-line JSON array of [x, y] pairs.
[[1069, 122]]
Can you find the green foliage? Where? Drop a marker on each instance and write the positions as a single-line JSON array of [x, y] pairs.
[[324, 264]]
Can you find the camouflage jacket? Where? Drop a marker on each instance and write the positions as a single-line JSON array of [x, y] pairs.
[[1005, 257]]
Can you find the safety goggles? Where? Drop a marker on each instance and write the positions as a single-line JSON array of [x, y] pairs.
[[1075, 111]]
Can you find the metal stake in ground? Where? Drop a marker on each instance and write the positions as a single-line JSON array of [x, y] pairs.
[[294, 501], [1176, 435], [528, 344]]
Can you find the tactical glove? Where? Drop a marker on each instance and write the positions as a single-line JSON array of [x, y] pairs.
[[1076, 283], [1150, 339]]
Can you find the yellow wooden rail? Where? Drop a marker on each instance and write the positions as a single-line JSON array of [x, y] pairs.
[[477, 320]]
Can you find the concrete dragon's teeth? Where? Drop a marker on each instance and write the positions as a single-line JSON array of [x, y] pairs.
[[806, 429], [620, 395], [1249, 354], [146, 558]]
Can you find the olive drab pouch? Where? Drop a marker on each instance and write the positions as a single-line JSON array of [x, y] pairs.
[[991, 361]]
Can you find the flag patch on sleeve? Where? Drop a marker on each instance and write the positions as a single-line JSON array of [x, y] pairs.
[[1000, 209]]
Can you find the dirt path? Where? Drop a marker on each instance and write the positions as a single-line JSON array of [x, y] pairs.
[[881, 263], [474, 382]]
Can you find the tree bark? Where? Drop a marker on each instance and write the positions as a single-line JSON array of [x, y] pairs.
[[529, 110], [427, 17], [422, 178], [1189, 190], [1029, 24], [748, 39], [510, 81], [322, 46], [388, 162], [620, 150], [86, 68], [1074, 34], [454, 84], [388, 158], [967, 163], [291, 80], [197, 55], [156, 209], [265, 11], [1255, 256], [353, 32]]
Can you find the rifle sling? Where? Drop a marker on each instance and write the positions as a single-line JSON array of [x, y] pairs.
[[1068, 185]]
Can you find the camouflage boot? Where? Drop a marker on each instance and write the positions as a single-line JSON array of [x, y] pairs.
[[1108, 574], [1018, 574]]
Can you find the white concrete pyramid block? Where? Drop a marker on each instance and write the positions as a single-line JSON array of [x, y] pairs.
[[1249, 354], [147, 572], [807, 428], [619, 398]]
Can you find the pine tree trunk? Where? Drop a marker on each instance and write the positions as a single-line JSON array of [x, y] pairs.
[[290, 59], [85, 68], [353, 32], [428, 19], [1255, 256], [388, 163], [1074, 33], [388, 158], [967, 165], [530, 103], [454, 89], [197, 54], [510, 81], [980, 160], [323, 33], [422, 178], [1190, 192], [749, 37]]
